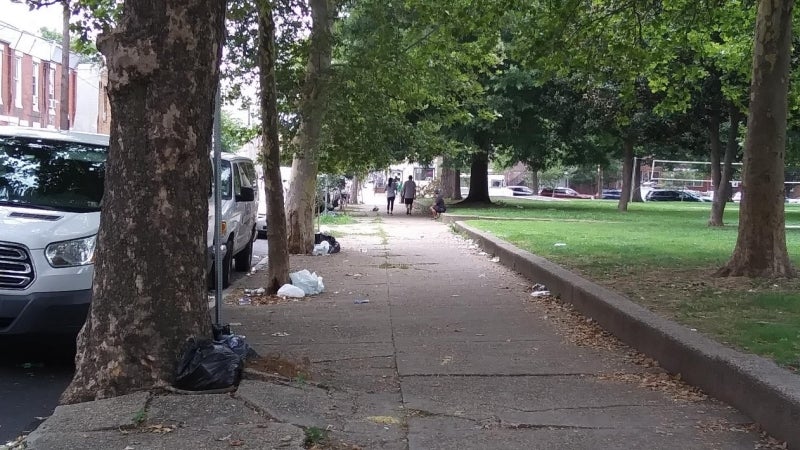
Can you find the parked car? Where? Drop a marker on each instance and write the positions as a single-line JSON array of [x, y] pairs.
[[562, 192], [261, 225], [239, 210], [521, 191], [673, 195], [611, 194], [51, 187]]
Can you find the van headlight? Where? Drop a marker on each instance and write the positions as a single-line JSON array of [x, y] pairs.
[[77, 252]]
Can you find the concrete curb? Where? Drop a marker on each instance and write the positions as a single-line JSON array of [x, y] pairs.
[[767, 393]]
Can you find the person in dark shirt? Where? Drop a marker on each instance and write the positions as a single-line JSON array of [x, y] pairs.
[[438, 206]]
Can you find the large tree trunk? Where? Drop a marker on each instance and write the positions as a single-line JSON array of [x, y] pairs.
[[722, 193], [479, 176], [535, 179], [277, 250], [149, 285], [627, 174], [355, 190], [451, 185], [761, 245], [312, 113]]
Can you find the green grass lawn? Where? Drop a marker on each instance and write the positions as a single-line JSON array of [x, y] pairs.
[[663, 256]]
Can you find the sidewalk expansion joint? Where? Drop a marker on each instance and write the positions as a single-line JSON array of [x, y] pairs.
[[351, 359], [494, 375], [585, 408]]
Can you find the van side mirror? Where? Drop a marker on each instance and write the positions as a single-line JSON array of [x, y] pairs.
[[247, 195]]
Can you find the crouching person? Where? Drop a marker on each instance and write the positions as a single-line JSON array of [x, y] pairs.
[[438, 206]]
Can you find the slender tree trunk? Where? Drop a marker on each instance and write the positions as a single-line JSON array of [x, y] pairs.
[[761, 245], [627, 174], [637, 181], [535, 180], [722, 194], [64, 105], [306, 145], [715, 153], [149, 292], [479, 175], [278, 251], [457, 185], [355, 189]]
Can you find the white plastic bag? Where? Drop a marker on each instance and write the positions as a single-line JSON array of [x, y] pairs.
[[288, 290], [321, 249], [309, 282]]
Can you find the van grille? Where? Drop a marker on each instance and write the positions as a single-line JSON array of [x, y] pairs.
[[16, 267]]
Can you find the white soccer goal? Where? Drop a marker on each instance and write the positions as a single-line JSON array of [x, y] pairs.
[[696, 176], [691, 175]]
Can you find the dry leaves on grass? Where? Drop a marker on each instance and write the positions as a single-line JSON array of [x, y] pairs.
[[585, 332], [765, 441], [576, 328], [671, 385]]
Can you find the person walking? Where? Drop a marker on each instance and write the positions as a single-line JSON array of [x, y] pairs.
[[409, 192], [391, 193]]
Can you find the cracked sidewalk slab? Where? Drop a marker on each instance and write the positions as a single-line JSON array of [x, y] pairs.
[[144, 421]]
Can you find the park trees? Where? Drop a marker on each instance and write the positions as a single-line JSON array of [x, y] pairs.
[[761, 244], [149, 290], [278, 251], [311, 110]]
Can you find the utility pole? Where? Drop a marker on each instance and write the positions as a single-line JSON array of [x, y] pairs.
[[64, 110]]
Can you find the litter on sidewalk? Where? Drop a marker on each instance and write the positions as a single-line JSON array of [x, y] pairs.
[[539, 290], [292, 291], [310, 283]]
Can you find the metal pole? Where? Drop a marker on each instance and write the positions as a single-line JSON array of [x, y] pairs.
[[217, 210]]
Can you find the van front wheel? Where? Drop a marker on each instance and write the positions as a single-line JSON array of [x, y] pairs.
[[243, 260]]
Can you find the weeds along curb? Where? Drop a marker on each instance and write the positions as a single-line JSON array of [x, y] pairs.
[[759, 388]]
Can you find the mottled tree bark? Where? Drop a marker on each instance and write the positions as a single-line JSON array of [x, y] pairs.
[[149, 286], [627, 174], [312, 111], [278, 251], [761, 244]]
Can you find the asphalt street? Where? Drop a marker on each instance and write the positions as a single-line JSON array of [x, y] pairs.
[[34, 372]]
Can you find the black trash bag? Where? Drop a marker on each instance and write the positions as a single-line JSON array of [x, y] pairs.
[[334, 246], [220, 331], [235, 342], [206, 365]]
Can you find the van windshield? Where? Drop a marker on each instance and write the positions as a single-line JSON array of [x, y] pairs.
[[52, 175]]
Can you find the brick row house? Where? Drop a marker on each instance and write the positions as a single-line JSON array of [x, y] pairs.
[[30, 80]]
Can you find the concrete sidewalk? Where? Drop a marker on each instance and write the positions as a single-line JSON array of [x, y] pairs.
[[451, 351]]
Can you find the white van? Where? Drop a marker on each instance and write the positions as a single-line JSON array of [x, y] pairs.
[[239, 208], [51, 185]]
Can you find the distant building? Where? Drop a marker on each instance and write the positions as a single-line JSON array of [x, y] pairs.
[[30, 83]]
